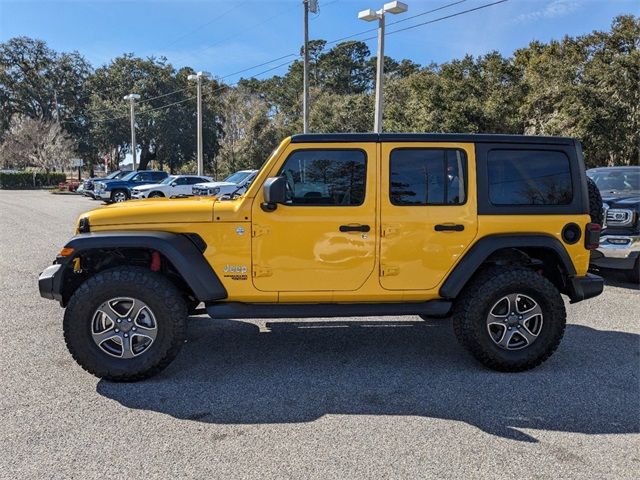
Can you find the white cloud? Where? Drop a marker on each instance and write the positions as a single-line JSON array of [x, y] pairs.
[[553, 9]]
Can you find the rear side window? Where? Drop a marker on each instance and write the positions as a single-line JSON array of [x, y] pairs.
[[428, 176], [326, 177], [529, 177]]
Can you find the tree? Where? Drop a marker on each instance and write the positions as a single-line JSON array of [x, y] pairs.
[[42, 84], [36, 143], [249, 132]]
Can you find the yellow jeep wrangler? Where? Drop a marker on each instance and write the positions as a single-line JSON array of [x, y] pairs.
[[488, 229]]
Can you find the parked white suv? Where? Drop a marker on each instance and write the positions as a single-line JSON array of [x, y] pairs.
[[236, 183], [172, 186]]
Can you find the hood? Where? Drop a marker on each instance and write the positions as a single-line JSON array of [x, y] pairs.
[[148, 186], [621, 199], [149, 212], [215, 184]]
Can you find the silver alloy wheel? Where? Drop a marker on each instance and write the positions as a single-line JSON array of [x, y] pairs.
[[119, 196], [124, 327], [515, 321]]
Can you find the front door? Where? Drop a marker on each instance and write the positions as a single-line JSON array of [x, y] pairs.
[[428, 212], [324, 237]]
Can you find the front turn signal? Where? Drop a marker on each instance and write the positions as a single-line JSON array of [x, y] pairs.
[[66, 252]]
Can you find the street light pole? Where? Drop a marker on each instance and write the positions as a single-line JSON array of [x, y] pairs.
[[198, 78], [369, 16], [305, 81], [377, 123], [132, 97], [309, 6]]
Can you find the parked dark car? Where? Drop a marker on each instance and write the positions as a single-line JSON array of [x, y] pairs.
[[87, 185], [119, 190], [620, 238]]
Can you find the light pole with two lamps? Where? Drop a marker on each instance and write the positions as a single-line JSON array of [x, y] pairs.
[[370, 15]]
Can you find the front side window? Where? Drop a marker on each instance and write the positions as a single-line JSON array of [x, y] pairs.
[[326, 177], [427, 176], [529, 177]]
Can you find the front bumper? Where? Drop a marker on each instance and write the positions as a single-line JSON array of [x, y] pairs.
[[50, 282], [102, 195], [138, 195], [616, 251], [582, 288]]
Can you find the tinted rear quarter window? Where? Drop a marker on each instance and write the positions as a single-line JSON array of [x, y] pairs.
[[529, 177]]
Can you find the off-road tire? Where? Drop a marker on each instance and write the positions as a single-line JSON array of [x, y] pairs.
[[595, 203], [480, 295], [115, 193], [166, 302], [156, 195]]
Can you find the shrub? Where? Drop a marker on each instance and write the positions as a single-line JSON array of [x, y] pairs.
[[26, 180]]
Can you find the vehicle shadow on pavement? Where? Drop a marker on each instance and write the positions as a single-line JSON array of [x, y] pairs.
[[233, 372]]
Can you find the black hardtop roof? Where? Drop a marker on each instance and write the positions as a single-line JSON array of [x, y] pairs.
[[428, 137]]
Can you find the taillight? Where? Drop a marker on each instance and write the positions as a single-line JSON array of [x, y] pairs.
[[592, 236]]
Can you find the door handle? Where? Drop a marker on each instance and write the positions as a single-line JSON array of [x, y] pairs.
[[355, 228], [448, 228]]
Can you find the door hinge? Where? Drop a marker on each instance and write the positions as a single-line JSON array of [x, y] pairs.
[[389, 270], [258, 271], [258, 230], [388, 230]]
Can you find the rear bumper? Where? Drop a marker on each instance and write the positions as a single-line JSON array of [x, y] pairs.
[[50, 282], [582, 288]]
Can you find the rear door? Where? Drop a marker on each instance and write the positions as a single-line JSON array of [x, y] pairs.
[[428, 211]]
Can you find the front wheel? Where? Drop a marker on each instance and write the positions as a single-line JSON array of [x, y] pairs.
[[155, 195], [511, 319], [118, 196], [125, 324]]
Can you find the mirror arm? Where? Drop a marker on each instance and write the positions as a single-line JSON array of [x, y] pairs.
[[268, 207]]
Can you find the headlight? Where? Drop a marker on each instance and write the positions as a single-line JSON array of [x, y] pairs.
[[99, 186], [619, 217]]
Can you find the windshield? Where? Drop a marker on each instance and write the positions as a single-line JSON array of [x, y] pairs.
[[617, 180], [129, 176], [168, 180], [116, 174], [237, 177]]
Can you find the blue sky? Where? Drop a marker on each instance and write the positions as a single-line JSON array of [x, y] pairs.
[[226, 36]]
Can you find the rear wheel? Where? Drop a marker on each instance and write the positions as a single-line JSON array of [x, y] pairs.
[[510, 319], [125, 324]]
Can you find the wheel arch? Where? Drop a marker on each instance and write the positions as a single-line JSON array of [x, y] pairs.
[[542, 250], [182, 254]]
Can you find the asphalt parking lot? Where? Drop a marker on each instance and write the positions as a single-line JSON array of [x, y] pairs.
[[336, 398]]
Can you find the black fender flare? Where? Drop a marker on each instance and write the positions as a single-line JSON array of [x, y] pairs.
[[185, 253], [486, 246]]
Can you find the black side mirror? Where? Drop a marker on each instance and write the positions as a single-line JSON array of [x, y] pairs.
[[274, 191]]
